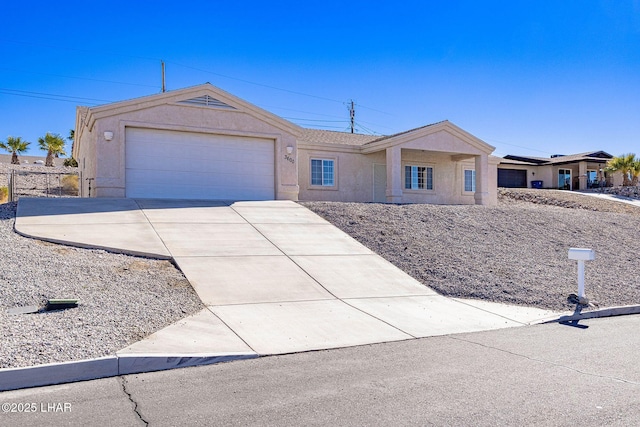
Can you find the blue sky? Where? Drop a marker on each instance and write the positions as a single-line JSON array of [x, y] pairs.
[[528, 77]]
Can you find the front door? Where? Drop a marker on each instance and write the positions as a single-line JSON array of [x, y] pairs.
[[564, 179], [379, 183]]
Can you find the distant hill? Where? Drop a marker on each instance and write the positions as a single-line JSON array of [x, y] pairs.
[[31, 160]]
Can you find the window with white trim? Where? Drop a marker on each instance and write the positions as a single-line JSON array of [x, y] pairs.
[[469, 180], [322, 172], [418, 177]]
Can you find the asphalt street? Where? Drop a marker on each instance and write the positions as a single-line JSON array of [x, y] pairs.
[[584, 374]]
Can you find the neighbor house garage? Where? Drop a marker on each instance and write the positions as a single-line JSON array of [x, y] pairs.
[[204, 143]]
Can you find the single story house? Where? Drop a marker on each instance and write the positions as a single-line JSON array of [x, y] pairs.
[[571, 172], [204, 143]]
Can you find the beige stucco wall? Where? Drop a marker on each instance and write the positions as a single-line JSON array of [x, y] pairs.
[[355, 176], [109, 171], [86, 158]]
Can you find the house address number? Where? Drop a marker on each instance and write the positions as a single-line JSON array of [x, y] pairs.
[[289, 158]]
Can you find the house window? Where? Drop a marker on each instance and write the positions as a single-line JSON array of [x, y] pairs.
[[469, 180], [322, 172], [418, 178]]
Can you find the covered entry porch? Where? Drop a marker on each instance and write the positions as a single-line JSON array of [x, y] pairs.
[[436, 164]]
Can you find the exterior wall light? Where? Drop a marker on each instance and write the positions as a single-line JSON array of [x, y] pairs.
[[289, 149], [108, 136]]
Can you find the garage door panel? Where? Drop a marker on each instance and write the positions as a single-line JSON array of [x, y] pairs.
[[213, 180], [512, 178], [171, 164], [196, 187]]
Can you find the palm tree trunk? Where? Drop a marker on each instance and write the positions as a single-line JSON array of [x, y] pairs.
[[14, 158], [49, 160]]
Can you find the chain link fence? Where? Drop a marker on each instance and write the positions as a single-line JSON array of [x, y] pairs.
[[23, 183]]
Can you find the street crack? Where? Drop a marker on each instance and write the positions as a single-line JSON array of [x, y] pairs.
[[123, 382]]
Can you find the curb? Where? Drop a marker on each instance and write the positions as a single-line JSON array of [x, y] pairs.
[[594, 314], [125, 364], [105, 367]]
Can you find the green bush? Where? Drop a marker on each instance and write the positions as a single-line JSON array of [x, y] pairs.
[[71, 162]]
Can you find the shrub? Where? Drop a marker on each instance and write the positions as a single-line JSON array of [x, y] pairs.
[[4, 194], [71, 162], [70, 183]]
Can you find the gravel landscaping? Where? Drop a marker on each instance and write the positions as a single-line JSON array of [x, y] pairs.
[[515, 252], [121, 299]]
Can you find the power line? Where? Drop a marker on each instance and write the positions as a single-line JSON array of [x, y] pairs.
[[254, 83], [271, 87], [314, 120], [322, 115], [49, 96], [42, 97], [377, 111], [93, 52], [300, 111], [367, 130], [518, 146], [79, 78], [374, 124], [325, 127]]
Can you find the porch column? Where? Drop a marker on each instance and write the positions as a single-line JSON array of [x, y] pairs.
[[582, 176], [482, 180], [394, 175]]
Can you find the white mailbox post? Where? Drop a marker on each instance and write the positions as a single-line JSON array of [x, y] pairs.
[[581, 255]]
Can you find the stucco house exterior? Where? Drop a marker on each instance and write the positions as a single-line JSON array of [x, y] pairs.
[[204, 143], [566, 172]]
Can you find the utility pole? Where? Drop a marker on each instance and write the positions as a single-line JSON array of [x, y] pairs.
[[163, 85], [352, 115]]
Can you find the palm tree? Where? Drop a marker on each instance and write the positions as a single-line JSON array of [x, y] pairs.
[[626, 164], [635, 172], [14, 146], [53, 143]]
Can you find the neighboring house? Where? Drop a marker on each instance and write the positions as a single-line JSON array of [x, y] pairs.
[[204, 143], [571, 172]]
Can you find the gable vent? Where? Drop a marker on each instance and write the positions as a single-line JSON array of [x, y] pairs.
[[206, 101]]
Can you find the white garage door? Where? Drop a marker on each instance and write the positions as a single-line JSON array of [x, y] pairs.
[[185, 165]]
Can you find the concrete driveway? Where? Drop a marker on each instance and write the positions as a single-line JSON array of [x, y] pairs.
[[275, 277]]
